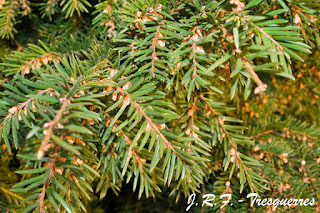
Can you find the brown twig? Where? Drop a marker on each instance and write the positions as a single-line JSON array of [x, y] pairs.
[[51, 125], [150, 122], [153, 125], [194, 74], [261, 86], [51, 165], [153, 45], [274, 41]]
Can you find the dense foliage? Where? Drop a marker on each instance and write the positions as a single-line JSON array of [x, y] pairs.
[[168, 97]]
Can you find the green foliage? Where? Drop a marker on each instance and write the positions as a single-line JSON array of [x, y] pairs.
[[157, 94]]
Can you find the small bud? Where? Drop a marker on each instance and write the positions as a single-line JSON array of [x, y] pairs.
[[232, 151], [26, 69], [113, 72], [296, 18], [78, 161], [127, 86], [195, 127], [260, 88], [287, 186], [107, 9], [44, 60], [195, 135], [126, 100], [70, 139], [60, 126], [148, 126], [162, 126], [109, 88], [188, 131], [130, 153], [191, 112], [13, 109], [114, 97], [161, 43], [256, 148], [199, 49], [46, 125], [58, 170], [40, 154], [304, 138], [303, 163], [198, 32], [195, 37]]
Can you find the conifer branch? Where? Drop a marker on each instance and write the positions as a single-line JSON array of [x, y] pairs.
[[233, 151], [153, 46], [8, 12], [152, 124], [159, 128], [194, 48], [261, 86], [36, 63], [51, 165], [50, 126], [128, 141], [128, 100], [20, 107], [273, 41]]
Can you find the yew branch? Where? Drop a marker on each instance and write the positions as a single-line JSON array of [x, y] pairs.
[[52, 124], [261, 86], [21, 106], [153, 46]]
